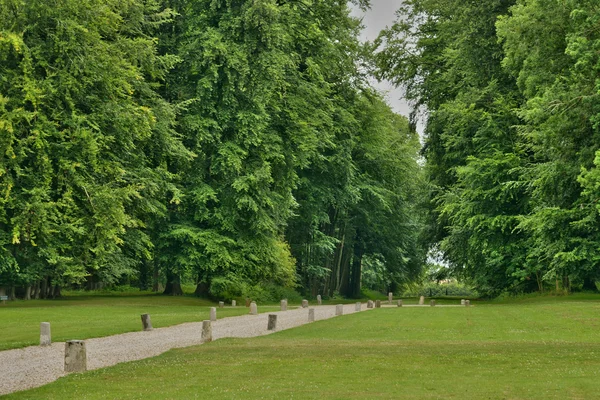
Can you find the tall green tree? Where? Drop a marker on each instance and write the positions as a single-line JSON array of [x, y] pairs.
[[84, 139]]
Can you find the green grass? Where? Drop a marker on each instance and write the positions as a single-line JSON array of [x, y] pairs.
[[83, 317], [544, 348]]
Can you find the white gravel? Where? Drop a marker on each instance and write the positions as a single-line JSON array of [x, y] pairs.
[[36, 366]]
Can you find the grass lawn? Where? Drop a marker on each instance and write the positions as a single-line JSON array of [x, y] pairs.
[[528, 349], [83, 317]]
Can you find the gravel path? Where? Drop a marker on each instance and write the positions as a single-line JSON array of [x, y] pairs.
[[36, 366]]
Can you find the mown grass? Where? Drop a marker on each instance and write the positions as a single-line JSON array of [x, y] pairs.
[[544, 349], [84, 317]]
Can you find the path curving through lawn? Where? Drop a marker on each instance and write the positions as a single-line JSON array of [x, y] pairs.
[[35, 366]]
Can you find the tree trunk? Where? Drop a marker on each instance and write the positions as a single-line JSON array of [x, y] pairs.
[[28, 292], [155, 275], [56, 293], [12, 295], [202, 290], [356, 269], [173, 287], [44, 288]]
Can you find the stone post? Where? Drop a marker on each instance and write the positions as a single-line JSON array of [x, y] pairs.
[[45, 337], [319, 300], [311, 315], [233, 303], [146, 322], [467, 303], [206, 331], [221, 304], [75, 356], [213, 314], [357, 306], [422, 300], [432, 303], [462, 302], [253, 308], [283, 306], [304, 303], [339, 309], [377, 303], [272, 324], [390, 297], [370, 304]]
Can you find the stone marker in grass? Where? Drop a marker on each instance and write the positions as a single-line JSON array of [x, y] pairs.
[[462, 302], [311, 315], [45, 337], [339, 309], [357, 306], [399, 303], [304, 303], [221, 304], [370, 304], [213, 314], [283, 306], [253, 308], [233, 303], [422, 300], [432, 303], [377, 303], [206, 331], [272, 324], [390, 297], [146, 322], [75, 356], [319, 300]]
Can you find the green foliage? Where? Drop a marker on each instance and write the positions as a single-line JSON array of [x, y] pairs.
[[511, 136]]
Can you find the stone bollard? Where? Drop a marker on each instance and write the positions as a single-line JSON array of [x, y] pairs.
[[399, 303], [422, 300], [283, 306], [206, 331], [432, 303], [390, 297], [319, 300], [339, 309], [233, 303], [467, 303], [272, 324], [221, 304], [253, 308], [45, 337], [304, 303], [247, 302], [213, 314], [75, 356], [370, 304], [146, 322], [377, 303], [462, 302], [311, 315], [357, 306]]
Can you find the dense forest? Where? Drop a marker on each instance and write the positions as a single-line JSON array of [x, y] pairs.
[[237, 145], [511, 91], [240, 146]]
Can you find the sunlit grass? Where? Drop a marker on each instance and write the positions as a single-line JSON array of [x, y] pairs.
[[547, 348]]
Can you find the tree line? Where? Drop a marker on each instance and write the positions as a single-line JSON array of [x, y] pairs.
[[511, 93], [237, 145]]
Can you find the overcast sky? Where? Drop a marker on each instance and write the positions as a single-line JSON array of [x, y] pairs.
[[382, 14]]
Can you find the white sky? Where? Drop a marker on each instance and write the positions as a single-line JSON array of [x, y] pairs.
[[382, 14]]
